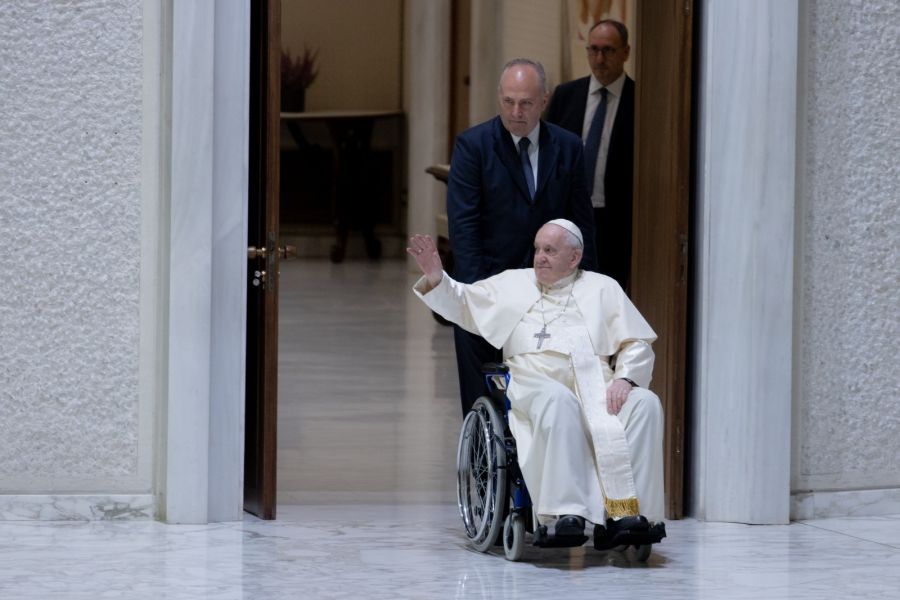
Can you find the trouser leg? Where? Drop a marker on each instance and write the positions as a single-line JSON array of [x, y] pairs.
[[554, 450], [642, 417], [471, 353], [613, 243]]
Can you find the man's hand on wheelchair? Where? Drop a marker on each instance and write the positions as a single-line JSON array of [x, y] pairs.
[[616, 395], [422, 248]]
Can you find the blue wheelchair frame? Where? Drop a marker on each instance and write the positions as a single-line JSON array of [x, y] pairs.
[[521, 500]]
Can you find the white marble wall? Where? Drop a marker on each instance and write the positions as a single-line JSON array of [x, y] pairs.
[[190, 263], [847, 414], [744, 241], [229, 257], [202, 472], [71, 414]]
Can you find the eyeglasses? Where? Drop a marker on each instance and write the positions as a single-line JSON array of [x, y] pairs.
[[606, 51]]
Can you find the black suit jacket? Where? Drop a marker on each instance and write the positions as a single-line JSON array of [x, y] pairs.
[[492, 218], [567, 110]]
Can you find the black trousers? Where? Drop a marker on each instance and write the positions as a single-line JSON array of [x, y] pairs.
[[472, 352], [612, 231]]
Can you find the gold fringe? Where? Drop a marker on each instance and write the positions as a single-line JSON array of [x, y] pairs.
[[625, 507]]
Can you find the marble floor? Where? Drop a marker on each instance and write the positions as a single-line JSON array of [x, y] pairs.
[[368, 407], [367, 435]]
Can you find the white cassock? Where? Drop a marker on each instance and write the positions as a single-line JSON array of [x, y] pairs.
[[576, 458]]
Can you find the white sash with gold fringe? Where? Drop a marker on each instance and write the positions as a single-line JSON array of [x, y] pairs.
[[611, 454]]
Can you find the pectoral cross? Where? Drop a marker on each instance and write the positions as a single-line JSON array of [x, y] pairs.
[[541, 336]]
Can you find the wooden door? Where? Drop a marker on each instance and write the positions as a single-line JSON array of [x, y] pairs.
[[260, 443], [659, 280]]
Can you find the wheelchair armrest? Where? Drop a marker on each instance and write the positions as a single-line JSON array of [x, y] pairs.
[[494, 369], [496, 378]]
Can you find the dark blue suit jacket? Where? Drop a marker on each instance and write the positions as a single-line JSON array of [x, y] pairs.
[[614, 239], [492, 219]]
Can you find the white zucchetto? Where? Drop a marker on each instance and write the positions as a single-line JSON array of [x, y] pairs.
[[570, 227]]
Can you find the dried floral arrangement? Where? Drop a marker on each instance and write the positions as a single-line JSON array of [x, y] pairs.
[[299, 71], [297, 74]]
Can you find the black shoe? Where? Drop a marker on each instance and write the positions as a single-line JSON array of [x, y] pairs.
[[628, 531], [570, 525], [636, 523]]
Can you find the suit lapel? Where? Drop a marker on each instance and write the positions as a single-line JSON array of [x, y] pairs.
[[548, 151], [580, 105], [506, 151], [624, 115]]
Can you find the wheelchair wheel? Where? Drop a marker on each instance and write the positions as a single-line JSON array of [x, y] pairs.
[[642, 552], [481, 474], [514, 536]]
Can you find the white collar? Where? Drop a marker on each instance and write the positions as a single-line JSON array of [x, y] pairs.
[[615, 88], [561, 283], [534, 136]]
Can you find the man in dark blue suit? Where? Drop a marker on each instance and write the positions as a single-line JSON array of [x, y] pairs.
[[609, 92], [509, 176]]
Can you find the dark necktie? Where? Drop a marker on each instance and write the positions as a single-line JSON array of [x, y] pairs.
[[526, 165], [592, 143]]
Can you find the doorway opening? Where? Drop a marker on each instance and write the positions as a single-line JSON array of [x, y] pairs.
[[663, 42]]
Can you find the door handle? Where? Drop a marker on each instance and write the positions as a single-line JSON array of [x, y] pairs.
[[287, 252], [254, 252]]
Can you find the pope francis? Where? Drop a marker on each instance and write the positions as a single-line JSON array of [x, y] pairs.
[[587, 429]]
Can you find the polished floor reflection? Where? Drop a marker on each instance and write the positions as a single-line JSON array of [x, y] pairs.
[[367, 435], [368, 407], [415, 552]]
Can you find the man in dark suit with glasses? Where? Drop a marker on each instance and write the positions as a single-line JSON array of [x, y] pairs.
[[599, 108]]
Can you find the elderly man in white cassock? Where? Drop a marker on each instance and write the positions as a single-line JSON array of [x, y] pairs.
[[587, 429]]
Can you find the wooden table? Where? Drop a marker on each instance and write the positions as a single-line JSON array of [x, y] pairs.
[[351, 135]]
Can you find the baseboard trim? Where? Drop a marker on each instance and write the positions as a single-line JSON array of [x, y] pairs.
[[77, 507], [848, 503]]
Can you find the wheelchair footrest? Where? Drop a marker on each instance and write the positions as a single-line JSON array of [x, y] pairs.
[[632, 531], [543, 539]]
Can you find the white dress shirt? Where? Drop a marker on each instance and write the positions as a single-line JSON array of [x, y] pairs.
[[613, 93]]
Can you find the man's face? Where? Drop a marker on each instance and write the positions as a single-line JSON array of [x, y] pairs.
[[521, 99], [553, 257], [606, 54]]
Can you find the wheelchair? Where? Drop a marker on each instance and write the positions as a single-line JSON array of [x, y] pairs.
[[493, 501]]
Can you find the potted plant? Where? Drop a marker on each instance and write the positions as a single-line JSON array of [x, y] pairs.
[[297, 74]]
